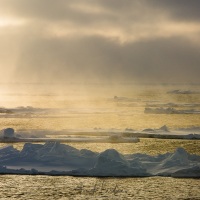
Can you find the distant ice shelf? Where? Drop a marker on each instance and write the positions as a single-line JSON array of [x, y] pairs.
[[109, 163], [169, 110], [183, 92], [97, 135]]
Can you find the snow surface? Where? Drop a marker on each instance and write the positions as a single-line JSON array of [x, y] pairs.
[[56, 156]]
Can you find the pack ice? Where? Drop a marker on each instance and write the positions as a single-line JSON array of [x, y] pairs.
[[53, 158]]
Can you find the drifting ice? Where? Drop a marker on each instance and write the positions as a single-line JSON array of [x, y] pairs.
[[87, 163]]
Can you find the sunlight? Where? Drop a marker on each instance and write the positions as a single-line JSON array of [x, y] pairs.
[[10, 22]]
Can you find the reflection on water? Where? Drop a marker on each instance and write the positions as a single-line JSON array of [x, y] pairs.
[[64, 187], [49, 187], [94, 106], [146, 145]]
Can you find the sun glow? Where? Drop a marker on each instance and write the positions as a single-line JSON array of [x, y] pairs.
[[10, 22]]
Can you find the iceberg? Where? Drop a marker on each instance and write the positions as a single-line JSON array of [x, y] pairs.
[[187, 173], [112, 163], [61, 159]]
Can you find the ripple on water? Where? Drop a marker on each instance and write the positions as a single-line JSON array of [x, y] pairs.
[[65, 187], [150, 146]]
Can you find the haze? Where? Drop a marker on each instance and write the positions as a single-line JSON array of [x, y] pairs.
[[101, 40]]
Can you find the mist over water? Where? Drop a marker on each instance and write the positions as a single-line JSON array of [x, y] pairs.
[[44, 108], [89, 66], [83, 106]]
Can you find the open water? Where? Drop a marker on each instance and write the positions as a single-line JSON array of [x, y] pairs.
[[94, 106]]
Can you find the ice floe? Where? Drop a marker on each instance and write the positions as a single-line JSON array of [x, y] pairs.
[[183, 92], [99, 135], [87, 163], [169, 110]]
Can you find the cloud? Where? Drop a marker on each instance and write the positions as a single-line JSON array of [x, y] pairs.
[[100, 40], [181, 11], [98, 58], [123, 20]]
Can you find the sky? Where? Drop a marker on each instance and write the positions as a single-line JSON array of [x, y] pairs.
[[100, 40]]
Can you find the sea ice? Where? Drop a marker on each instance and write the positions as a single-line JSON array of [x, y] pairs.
[[87, 163]]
